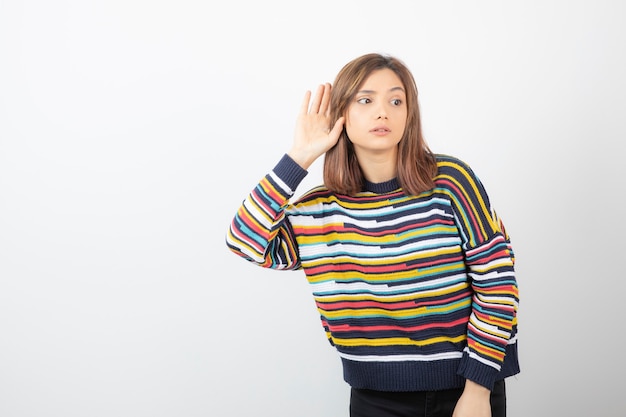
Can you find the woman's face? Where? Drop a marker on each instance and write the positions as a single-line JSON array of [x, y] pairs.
[[376, 117]]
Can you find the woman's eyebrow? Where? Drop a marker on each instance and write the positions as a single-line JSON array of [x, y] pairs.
[[391, 90]]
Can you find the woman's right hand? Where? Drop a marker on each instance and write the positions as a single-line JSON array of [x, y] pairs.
[[313, 137]]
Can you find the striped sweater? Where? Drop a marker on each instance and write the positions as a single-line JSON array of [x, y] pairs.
[[415, 292]]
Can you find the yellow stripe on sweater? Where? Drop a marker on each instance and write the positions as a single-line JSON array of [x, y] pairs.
[[397, 341]]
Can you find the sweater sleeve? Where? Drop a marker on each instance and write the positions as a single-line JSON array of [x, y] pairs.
[[489, 262], [260, 231]]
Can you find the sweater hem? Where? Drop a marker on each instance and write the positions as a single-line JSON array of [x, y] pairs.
[[403, 376]]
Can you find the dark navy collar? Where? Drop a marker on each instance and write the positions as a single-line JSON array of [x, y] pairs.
[[381, 187]]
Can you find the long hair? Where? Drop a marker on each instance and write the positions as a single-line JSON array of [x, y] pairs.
[[416, 165]]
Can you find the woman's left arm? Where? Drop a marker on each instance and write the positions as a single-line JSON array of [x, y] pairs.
[[490, 262]]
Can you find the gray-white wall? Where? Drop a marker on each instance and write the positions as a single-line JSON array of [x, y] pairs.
[[131, 130]]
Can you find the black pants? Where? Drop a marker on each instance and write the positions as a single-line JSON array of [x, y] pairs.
[[368, 403]]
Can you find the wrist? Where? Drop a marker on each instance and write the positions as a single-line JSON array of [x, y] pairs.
[[301, 158], [476, 389]]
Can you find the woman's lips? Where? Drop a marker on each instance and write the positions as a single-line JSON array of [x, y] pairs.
[[380, 130]]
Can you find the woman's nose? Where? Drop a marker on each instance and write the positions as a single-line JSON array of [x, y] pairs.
[[381, 111]]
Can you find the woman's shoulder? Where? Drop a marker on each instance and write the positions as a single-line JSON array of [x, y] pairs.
[[454, 173], [317, 193], [449, 165]]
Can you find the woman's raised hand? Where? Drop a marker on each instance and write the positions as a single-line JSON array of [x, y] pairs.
[[313, 136]]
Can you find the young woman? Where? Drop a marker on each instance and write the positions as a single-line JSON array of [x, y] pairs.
[[411, 269]]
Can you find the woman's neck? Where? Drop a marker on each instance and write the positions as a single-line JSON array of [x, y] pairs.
[[378, 168]]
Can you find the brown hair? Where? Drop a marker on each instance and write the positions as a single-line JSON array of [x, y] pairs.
[[416, 163]]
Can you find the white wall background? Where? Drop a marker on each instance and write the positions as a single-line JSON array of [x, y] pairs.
[[131, 130]]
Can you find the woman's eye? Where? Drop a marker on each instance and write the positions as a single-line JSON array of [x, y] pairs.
[[396, 102], [363, 100]]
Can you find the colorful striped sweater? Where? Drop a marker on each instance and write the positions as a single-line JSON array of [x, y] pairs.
[[414, 292]]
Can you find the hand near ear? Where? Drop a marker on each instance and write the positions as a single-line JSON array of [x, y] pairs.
[[313, 136]]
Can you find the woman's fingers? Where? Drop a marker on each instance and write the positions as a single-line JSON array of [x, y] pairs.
[[320, 103], [337, 128], [317, 100], [304, 107], [325, 103], [312, 134]]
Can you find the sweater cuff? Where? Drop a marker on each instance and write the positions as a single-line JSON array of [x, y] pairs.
[[478, 372], [290, 172], [486, 375]]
